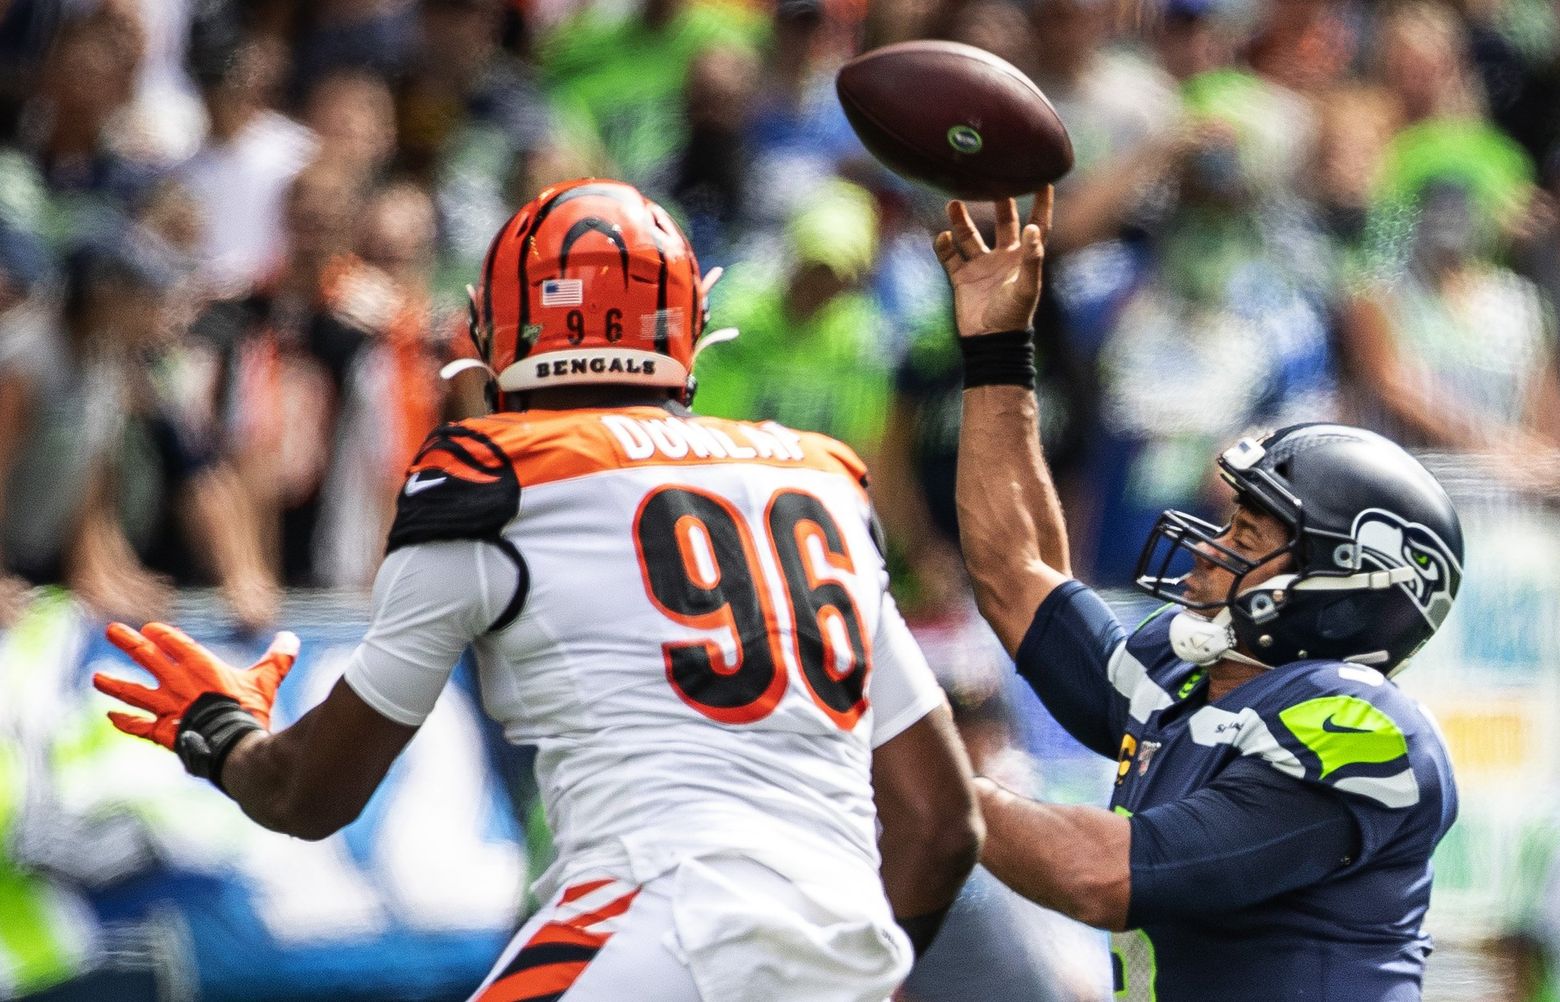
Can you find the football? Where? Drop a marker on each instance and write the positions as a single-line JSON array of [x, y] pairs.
[[954, 117]]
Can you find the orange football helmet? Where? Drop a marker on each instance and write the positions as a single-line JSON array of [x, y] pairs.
[[590, 282]]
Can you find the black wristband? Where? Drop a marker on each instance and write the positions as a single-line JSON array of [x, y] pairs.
[[1005, 359], [210, 729], [922, 929]]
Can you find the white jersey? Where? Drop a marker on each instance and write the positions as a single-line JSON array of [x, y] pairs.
[[688, 616]]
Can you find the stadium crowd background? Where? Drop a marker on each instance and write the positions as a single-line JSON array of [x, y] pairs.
[[234, 241]]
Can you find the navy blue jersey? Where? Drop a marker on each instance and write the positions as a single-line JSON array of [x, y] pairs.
[[1323, 743]]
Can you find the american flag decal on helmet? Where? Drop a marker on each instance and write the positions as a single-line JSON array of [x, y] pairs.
[[563, 292]]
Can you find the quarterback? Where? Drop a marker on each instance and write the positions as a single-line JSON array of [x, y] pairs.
[[687, 616], [1277, 797]]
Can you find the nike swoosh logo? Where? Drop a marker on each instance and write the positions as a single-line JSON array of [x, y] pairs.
[[417, 484], [1332, 728]]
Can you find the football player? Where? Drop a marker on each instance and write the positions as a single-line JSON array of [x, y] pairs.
[[1277, 798], [688, 616]]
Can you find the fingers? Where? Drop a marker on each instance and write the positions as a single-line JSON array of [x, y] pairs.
[[138, 696], [966, 238], [256, 688], [141, 650], [1033, 243], [140, 727], [947, 254], [1034, 257], [279, 657], [123, 637], [175, 643], [1040, 215], [1007, 222], [285, 644]]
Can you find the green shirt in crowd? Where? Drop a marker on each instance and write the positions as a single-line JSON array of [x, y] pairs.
[[826, 373], [623, 80]]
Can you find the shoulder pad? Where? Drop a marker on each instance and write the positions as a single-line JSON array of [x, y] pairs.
[[1149, 643], [1151, 636], [460, 486], [840, 453], [1346, 727]]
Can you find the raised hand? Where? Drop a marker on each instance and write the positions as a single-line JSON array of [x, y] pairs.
[[185, 671], [995, 289]]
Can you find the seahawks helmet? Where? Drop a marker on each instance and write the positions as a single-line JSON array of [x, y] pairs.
[[1374, 543]]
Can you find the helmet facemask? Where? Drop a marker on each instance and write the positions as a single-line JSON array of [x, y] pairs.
[[1206, 631], [1176, 543]]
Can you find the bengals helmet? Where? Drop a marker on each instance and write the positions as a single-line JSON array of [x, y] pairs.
[[590, 282]]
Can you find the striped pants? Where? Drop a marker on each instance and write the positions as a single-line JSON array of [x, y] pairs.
[[597, 939], [722, 929]]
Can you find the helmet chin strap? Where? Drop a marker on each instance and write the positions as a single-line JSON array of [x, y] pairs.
[[1204, 641]]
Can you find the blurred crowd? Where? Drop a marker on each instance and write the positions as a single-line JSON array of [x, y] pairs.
[[235, 237]]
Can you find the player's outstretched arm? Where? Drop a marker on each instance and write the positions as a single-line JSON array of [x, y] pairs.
[[932, 830], [308, 780], [1251, 835], [1071, 859], [1010, 520], [313, 779]]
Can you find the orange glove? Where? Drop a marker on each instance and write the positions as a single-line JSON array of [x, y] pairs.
[[186, 671]]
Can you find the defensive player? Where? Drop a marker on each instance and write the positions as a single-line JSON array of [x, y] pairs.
[[687, 615], [1277, 799]]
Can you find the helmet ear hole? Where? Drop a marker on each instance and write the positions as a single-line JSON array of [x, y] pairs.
[[1341, 619], [1261, 607]]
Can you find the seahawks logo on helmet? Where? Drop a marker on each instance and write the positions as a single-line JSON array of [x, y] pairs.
[[1384, 540]]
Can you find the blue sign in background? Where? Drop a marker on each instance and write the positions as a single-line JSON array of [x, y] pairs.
[[413, 901]]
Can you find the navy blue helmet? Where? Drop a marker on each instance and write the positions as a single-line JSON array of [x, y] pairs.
[[1375, 549]]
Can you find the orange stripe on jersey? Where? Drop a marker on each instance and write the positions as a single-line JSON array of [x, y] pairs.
[[548, 446], [455, 466], [456, 451]]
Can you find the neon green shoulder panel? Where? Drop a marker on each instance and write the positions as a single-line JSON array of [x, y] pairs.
[[1344, 731]]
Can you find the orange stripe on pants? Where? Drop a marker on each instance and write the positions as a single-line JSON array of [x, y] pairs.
[[534, 982]]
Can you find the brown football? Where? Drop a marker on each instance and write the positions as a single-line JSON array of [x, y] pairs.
[[955, 117]]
